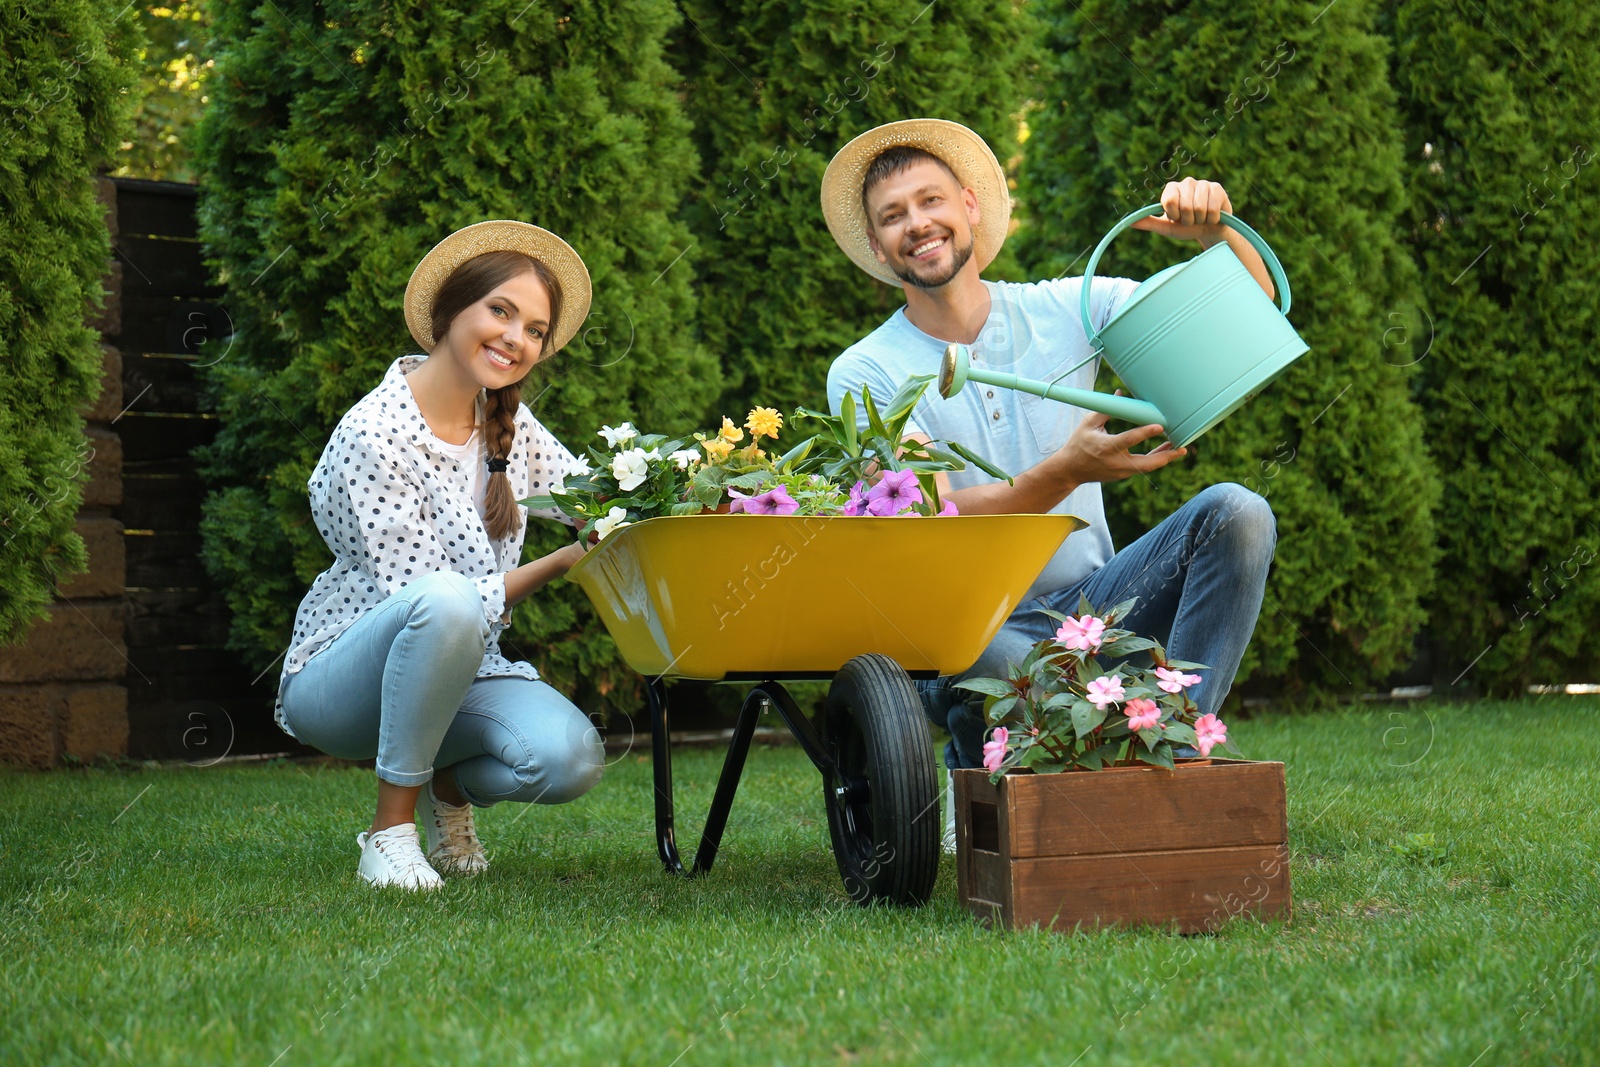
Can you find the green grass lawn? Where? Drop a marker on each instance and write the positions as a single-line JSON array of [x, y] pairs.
[[214, 916]]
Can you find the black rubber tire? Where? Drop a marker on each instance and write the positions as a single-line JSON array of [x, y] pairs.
[[885, 822]]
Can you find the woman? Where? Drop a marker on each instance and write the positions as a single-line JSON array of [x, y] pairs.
[[396, 650]]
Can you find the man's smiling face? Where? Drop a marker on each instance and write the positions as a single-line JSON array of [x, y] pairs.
[[920, 221]]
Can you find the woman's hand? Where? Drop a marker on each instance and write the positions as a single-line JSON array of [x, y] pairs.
[[537, 574]]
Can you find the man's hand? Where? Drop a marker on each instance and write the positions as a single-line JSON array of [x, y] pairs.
[[1093, 455], [1193, 212]]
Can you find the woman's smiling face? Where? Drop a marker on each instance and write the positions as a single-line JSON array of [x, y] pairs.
[[498, 339]]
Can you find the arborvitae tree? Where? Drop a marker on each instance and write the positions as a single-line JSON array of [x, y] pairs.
[[774, 91], [1296, 118], [64, 102], [341, 142], [1502, 157]]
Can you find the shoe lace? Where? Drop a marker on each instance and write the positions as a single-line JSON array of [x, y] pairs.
[[403, 851], [458, 836]]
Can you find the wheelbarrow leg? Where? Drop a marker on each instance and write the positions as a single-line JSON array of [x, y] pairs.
[[661, 753], [727, 782]]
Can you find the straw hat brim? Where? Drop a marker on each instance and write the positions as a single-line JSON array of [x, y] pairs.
[[966, 154], [499, 235]]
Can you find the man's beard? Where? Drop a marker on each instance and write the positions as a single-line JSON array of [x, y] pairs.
[[958, 259]]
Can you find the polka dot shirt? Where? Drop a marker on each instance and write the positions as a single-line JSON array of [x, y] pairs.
[[392, 506]]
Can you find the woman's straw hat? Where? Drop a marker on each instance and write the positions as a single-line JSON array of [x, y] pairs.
[[963, 151], [499, 235]]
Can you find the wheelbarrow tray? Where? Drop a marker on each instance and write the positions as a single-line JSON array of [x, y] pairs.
[[719, 597]]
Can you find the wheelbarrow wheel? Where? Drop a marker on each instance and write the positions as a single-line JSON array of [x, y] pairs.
[[883, 800]]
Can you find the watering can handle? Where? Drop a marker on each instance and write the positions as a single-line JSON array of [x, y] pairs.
[[1273, 266]]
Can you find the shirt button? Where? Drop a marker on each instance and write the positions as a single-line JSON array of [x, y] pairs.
[[991, 394], [997, 416]]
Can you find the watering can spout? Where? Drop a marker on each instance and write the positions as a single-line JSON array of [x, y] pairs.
[[957, 370]]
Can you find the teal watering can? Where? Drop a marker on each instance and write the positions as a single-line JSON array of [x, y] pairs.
[[1192, 343]]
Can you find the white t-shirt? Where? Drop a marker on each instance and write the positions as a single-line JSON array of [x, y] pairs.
[[470, 456]]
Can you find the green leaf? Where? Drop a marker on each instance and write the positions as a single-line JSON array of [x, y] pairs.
[[991, 686], [874, 419], [687, 507], [1126, 646], [999, 712], [1179, 733], [1161, 757], [1122, 609], [1151, 736], [978, 461], [1085, 717], [898, 413], [847, 424], [799, 452]]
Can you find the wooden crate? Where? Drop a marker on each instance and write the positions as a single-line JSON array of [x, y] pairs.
[[1127, 845]]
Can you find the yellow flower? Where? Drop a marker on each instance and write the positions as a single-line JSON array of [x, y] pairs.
[[729, 432], [718, 449], [764, 422]]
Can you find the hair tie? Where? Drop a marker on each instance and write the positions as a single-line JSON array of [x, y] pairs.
[[497, 466]]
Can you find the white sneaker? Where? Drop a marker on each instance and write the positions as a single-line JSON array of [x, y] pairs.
[[453, 843], [394, 857], [949, 841]]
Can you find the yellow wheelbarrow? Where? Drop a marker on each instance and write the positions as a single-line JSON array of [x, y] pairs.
[[870, 603]]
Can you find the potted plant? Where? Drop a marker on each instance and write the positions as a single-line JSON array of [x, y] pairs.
[[642, 476], [1090, 809]]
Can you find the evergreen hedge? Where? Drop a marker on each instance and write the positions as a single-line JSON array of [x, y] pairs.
[[64, 103], [774, 90], [1296, 118], [340, 143], [1502, 156]]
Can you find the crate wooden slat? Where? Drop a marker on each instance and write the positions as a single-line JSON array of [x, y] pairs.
[[1192, 847]]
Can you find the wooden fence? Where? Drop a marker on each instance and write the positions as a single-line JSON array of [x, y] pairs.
[[189, 697]]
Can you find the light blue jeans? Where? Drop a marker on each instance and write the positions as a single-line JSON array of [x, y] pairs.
[[400, 685], [1200, 576]]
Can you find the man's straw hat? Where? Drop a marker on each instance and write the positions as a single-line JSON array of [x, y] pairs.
[[963, 151], [499, 235]]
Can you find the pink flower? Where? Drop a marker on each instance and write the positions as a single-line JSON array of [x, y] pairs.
[[1175, 681], [1209, 731], [1142, 714], [772, 502], [737, 502], [949, 508], [1081, 633], [1106, 689], [858, 499], [994, 749], [895, 492]]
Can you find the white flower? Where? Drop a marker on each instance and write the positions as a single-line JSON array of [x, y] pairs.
[[614, 519], [620, 436], [654, 453], [685, 457], [580, 469], [629, 469]]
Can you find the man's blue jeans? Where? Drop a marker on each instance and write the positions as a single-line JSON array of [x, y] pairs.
[[1199, 575]]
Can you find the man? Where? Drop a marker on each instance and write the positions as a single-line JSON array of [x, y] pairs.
[[923, 204]]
